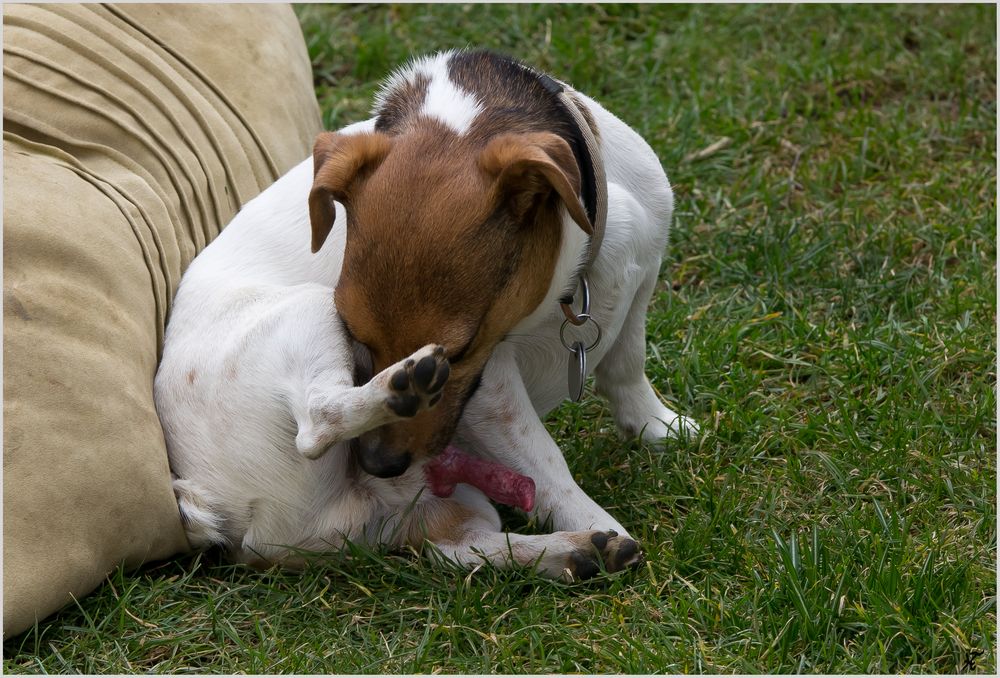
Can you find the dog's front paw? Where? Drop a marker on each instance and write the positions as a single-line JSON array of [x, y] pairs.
[[415, 383], [682, 427], [607, 549], [659, 428]]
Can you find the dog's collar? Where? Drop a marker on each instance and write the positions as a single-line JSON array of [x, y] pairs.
[[594, 192]]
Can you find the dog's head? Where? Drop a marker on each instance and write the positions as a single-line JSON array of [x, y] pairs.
[[447, 243]]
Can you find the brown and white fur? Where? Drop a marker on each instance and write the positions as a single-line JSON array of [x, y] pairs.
[[302, 389]]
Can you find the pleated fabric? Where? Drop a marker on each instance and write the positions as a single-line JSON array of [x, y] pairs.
[[131, 136]]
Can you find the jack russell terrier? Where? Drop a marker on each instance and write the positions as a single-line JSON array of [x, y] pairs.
[[488, 232]]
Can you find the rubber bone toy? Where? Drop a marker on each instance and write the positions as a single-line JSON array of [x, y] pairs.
[[496, 481]]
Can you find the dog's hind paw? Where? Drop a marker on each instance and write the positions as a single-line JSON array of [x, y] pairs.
[[415, 383], [607, 549]]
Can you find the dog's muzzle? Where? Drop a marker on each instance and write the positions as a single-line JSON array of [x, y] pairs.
[[378, 460]]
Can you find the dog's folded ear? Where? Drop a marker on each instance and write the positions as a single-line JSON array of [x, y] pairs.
[[339, 162], [528, 167]]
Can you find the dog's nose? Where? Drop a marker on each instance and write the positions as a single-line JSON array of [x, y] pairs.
[[382, 462]]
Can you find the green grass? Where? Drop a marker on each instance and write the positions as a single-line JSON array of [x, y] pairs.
[[827, 311]]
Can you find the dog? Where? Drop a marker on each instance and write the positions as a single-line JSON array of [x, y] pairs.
[[416, 285]]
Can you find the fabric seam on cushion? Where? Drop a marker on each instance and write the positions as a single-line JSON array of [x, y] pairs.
[[207, 82], [182, 97], [64, 159], [125, 106], [32, 123], [168, 284]]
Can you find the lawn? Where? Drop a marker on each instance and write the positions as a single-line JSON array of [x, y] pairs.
[[827, 312]]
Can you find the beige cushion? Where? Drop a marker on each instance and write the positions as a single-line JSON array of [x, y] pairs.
[[132, 134]]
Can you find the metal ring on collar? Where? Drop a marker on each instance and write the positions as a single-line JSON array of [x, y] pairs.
[[584, 314], [562, 332]]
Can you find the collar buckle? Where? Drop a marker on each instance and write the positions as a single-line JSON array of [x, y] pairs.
[[583, 316]]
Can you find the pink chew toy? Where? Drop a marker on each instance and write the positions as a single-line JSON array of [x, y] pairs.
[[496, 481]]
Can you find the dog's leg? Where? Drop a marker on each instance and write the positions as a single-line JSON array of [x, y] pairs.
[[621, 378], [335, 412], [501, 423], [466, 529]]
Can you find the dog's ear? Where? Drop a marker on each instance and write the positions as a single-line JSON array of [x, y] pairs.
[[528, 167], [339, 162]]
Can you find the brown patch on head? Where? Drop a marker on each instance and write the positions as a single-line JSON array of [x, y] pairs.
[[529, 167], [191, 376], [415, 250], [339, 162]]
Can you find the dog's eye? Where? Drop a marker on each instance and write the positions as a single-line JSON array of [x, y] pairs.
[[459, 355], [363, 367]]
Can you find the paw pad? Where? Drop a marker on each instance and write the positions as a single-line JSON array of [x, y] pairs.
[[417, 381], [607, 548]]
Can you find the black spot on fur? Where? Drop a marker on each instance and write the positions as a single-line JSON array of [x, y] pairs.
[[401, 105]]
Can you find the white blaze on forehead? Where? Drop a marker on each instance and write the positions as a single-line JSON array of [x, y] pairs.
[[443, 99], [450, 104]]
